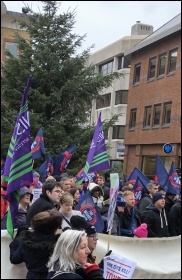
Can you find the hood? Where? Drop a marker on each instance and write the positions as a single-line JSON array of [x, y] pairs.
[[25, 190], [152, 207], [94, 186]]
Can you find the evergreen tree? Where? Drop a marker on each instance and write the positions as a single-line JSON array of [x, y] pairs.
[[63, 86]]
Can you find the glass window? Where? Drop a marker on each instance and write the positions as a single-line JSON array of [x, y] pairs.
[[172, 60], [137, 69], [167, 113], [152, 67], [162, 64], [118, 132], [103, 101], [132, 122], [157, 113], [12, 48], [106, 68], [120, 62], [148, 165], [121, 97], [147, 116]]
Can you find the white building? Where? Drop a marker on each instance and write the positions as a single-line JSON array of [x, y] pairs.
[[111, 59]]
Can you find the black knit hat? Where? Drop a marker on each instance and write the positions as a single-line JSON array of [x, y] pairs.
[[80, 223], [157, 196]]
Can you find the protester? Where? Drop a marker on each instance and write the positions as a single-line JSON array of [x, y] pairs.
[[155, 217], [76, 196], [49, 199], [4, 202], [169, 202], [175, 218], [69, 259], [24, 203], [146, 200], [141, 231], [101, 183], [97, 194], [65, 184], [35, 247], [66, 209]]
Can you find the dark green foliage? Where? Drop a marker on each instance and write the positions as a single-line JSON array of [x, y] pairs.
[[63, 87]]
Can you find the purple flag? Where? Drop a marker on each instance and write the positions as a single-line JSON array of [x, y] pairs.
[[37, 147], [161, 173], [19, 160], [173, 183], [97, 158]]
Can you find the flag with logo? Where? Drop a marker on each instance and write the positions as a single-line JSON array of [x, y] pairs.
[[173, 183], [37, 147], [19, 160], [47, 168], [62, 160], [90, 212], [161, 173], [139, 189], [137, 173], [114, 179]]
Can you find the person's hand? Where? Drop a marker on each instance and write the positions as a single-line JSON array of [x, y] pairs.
[[101, 264]]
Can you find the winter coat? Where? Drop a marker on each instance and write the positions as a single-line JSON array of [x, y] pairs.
[[66, 218], [20, 219], [34, 249], [92, 272], [156, 221], [168, 204], [116, 223], [126, 219], [175, 219], [43, 203], [145, 201]]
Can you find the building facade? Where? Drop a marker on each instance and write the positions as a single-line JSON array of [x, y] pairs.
[[111, 59], [154, 100], [8, 28]]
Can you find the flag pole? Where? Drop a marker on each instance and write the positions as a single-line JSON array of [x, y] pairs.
[[109, 239]]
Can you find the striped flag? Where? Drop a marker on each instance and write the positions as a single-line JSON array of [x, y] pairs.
[[19, 160]]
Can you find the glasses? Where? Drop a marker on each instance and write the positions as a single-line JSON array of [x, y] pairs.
[[58, 192], [94, 236]]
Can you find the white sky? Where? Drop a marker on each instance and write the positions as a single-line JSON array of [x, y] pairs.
[[105, 22]]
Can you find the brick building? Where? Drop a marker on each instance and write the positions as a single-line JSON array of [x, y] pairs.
[[154, 105]]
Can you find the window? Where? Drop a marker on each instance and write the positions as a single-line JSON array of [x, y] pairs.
[[106, 68], [149, 163], [121, 97], [172, 60], [118, 132], [12, 48], [137, 73], [120, 62], [147, 116], [162, 64], [152, 67], [105, 134], [132, 123], [157, 113], [103, 101], [167, 113]]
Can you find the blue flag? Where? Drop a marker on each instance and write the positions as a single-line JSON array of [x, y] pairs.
[[62, 160], [47, 168], [37, 147], [139, 189], [173, 183], [90, 212], [137, 173], [161, 173]]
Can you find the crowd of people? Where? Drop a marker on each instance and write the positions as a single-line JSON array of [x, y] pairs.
[[70, 254]]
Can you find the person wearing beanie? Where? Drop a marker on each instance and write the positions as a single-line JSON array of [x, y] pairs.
[[34, 248], [155, 217], [141, 231]]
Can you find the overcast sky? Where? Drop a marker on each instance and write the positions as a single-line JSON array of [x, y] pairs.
[[105, 22]]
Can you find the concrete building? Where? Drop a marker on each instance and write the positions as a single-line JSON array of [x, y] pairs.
[[111, 59], [7, 31], [154, 100]]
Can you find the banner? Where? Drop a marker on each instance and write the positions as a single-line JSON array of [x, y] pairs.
[[156, 258]]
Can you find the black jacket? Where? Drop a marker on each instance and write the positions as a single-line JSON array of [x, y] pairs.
[[175, 219], [168, 204], [116, 224], [35, 250], [43, 203], [156, 221]]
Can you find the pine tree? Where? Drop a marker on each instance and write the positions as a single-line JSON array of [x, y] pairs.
[[63, 86]]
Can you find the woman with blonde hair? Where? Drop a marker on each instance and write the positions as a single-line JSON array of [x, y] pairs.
[[69, 259]]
